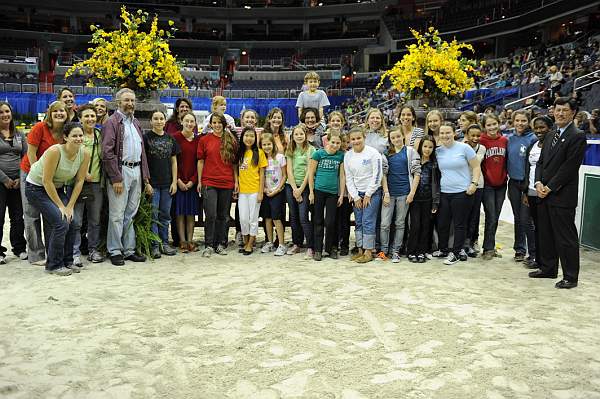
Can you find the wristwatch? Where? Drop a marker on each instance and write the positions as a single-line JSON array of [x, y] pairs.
[[475, 184]]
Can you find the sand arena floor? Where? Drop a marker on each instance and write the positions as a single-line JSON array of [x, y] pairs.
[[267, 327]]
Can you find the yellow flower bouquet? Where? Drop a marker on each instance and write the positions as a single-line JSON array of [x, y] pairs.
[[130, 57], [432, 68]]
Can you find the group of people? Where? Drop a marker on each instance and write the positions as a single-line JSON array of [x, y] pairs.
[[414, 192]]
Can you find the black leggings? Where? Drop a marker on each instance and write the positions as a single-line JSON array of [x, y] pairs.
[[325, 217], [420, 228], [454, 207]]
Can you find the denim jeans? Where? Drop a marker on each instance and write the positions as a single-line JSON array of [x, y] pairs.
[[11, 199], [217, 204], [300, 223], [36, 251], [161, 203], [366, 221], [493, 198], [399, 205], [524, 228], [325, 220], [454, 207], [93, 205], [60, 231], [120, 239], [473, 219]]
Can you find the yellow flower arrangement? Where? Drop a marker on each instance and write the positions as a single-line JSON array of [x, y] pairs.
[[432, 68], [130, 57]]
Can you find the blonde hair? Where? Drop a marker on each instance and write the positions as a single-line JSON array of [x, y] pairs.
[[339, 115], [268, 137], [216, 101], [292, 146], [312, 75], [470, 116], [54, 106], [333, 133], [382, 129], [432, 112]]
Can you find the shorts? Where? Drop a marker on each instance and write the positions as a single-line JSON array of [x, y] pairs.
[[273, 207]]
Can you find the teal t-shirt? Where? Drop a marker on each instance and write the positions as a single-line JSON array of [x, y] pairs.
[[328, 170]]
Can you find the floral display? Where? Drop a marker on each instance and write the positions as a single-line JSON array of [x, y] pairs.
[[131, 57], [433, 68]]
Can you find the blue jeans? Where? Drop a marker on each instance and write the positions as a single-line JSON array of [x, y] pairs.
[[493, 198], [300, 223], [60, 231], [399, 205], [93, 206], [36, 251], [366, 221], [161, 205], [524, 228]]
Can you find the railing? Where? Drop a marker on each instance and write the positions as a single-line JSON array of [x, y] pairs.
[[520, 100], [484, 84], [526, 64], [382, 106], [596, 77]]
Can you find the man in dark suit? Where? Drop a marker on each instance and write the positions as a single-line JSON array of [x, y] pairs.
[[556, 183]]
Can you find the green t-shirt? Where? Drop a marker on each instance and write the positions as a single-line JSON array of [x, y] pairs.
[[328, 170], [300, 163], [88, 143]]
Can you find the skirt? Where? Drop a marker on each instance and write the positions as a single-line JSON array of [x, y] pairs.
[[187, 203]]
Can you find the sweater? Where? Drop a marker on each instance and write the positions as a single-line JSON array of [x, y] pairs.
[[363, 171], [493, 166]]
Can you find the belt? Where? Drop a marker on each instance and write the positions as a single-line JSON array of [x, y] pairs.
[[131, 164]]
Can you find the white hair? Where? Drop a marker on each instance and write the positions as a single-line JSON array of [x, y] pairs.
[[123, 91]]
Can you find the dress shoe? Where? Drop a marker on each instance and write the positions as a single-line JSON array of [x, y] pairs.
[[566, 284], [136, 258], [541, 274], [117, 260]]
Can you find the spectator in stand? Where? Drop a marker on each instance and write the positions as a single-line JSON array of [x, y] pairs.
[[13, 146], [67, 96], [595, 121], [42, 136], [182, 107], [312, 98], [556, 79], [582, 122]]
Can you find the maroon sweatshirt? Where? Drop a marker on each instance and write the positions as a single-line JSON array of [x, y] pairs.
[[493, 166]]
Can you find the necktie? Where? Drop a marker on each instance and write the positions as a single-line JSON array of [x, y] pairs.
[[555, 138]]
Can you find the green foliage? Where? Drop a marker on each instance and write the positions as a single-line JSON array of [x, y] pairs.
[[142, 225]]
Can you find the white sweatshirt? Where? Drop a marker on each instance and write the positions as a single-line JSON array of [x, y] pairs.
[[363, 171]]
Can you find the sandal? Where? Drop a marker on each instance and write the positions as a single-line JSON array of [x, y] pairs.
[[192, 247], [183, 247]]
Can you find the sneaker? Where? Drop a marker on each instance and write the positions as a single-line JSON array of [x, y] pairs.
[[41, 262], [530, 264], [439, 254], [344, 251], [317, 256], [475, 247], [451, 259], [462, 256], [293, 250], [381, 256], [496, 254], [2, 260], [428, 256], [413, 258], [471, 252], [156, 253], [23, 256], [487, 255], [207, 252], [280, 251], [61, 271], [95, 257], [364, 259], [238, 238], [74, 268], [221, 250], [519, 257], [168, 250], [268, 247], [309, 253], [421, 258], [395, 257], [77, 261], [333, 254]]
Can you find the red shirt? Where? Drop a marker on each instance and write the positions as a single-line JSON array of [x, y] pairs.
[[215, 173], [493, 166], [41, 137], [187, 166]]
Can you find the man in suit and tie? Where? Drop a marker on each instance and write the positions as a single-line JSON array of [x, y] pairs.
[[556, 183]]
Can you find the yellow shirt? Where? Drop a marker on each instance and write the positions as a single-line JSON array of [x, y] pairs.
[[249, 173]]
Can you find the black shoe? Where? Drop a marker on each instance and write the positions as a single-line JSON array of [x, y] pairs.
[[317, 256], [421, 258], [344, 252], [333, 254], [117, 260], [136, 258], [541, 274], [156, 253], [354, 251], [241, 250], [246, 253], [519, 257], [566, 284], [530, 264], [462, 256], [413, 258]]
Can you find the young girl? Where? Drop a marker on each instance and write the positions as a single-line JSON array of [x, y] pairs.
[[218, 180], [425, 203], [494, 173], [399, 187], [162, 150], [186, 198], [218, 105], [363, 169], [327, 186], [465, 120], [408, 123], [272, 208], [252, 163], [297, 155], [377, 135], [433, 121], [472, 137], [274, 124], [344, 211], [335, 125]]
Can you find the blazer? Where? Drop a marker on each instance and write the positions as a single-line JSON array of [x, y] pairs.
[[558, 167]]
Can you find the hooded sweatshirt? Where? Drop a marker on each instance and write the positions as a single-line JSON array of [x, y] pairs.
[[494, 163], [517, 148]]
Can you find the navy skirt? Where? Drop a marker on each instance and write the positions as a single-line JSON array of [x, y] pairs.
[[187, 203]]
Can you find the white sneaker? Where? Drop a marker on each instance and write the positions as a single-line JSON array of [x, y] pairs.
[[309, 253], [395, 257], [281, 250], [2, 260], [451, 259], [268, 247], [77, 261], [207, 252], [23, 256]]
